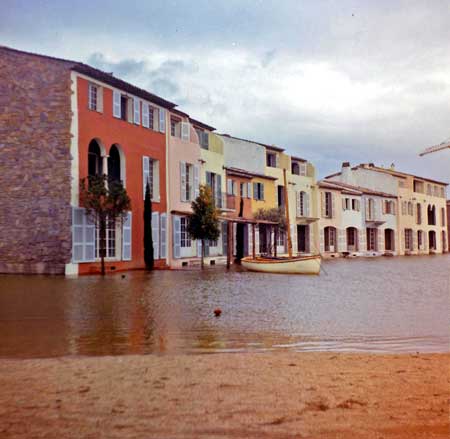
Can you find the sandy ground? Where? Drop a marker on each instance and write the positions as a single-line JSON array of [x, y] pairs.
[[273, 395]]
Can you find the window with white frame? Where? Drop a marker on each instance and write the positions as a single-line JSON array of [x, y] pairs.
[[185, 239], [410, 208], [110, 239], [175, 127], [355, 204], [302, 203], [303, 169], [408, 239], [187, 181], [231, 186], [93, 97]]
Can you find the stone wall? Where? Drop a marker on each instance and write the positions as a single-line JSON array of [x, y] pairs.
[[35, 116]]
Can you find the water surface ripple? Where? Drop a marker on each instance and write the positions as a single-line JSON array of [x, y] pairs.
[[377, 305]]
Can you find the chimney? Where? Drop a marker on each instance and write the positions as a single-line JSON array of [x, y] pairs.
[[346, 173], [392, 167]]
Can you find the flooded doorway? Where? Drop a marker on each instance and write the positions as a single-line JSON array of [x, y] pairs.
[[303, 239]]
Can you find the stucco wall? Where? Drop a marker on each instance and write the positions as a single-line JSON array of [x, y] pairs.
[[35, 161], [244, 155]]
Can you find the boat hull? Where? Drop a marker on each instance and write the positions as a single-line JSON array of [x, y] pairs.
[[300, 265]]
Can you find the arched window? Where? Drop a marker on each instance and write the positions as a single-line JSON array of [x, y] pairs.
[[116, 164], [352, 239], [330, 239], [95, 164], [389, 240], [431, 213]]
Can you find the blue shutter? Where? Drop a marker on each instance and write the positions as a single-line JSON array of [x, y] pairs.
[[176, 223], [163, 236]]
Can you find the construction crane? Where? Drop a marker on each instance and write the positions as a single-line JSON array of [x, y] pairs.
[[443, 145]]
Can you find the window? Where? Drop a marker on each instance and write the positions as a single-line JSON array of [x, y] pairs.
[[203, 138], [258, 191], [151, 117], [370, 209], [355, 204], [442, 217], [148, 119], [418, 186], [429, 190], [442, 192], [372, 239], [243, 190], [93, 97], [151, 175], [435, 191], [408, 239], [346, 203], [330, 239], [295, 168], [271, 159], [404, 205], [419, 214], [214, 181], [110, 240], [303, 207], [389, 207], [185, 238], [281, 238], [410, 208], [419, 239], [95, 162], [123, 107], [351, 238], [175, 127], [231, 187], [280, 193], [303, 169], [189, 181], [328, 205], [431, 214]]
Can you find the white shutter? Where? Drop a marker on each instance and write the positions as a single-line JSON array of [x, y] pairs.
[[218, 193], [183, 180], [126, 237], [299, 213], [136, 111], [199, 247], [322, 203], [77, 235], [185, 131], [366, 202], [229, 186], [257, 239], [162, 120], [155, 234], [249, 190], [145, 174], [196, 181], [116, 104], [163, 235], [362, 240], [306, 203], [262, 191], [156, 195], [176, 226], [145, 115], [322, 240], [83, 236]]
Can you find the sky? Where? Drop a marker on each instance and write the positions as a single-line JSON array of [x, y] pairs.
[[330, 81]]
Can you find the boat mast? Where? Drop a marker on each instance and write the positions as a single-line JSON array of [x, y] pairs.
[[286, 204]]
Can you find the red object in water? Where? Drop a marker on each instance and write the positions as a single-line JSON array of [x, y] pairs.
[[217, 312]]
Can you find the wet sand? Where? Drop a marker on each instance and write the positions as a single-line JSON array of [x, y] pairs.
[[264, 395]]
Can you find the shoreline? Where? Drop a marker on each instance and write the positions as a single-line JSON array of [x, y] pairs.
[[242, 395]]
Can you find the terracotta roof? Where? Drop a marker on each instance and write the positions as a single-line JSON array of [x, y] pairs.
[[358, 189], [107, 78], [275, 148], [298, 159], [201, 124], [247, 174], [388, 171]]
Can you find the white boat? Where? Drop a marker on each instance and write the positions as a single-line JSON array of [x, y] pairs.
[[283, 265]]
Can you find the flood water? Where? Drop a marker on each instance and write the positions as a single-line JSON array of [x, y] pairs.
[[378, 305]]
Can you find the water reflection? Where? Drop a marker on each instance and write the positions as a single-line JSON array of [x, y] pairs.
[[392, 305]]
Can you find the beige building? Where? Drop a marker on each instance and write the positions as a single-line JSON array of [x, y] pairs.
[[420, 205]]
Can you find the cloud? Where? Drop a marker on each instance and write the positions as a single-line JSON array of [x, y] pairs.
[[331, 81]]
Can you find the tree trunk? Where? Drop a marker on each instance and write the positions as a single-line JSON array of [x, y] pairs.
[[203, 254]]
